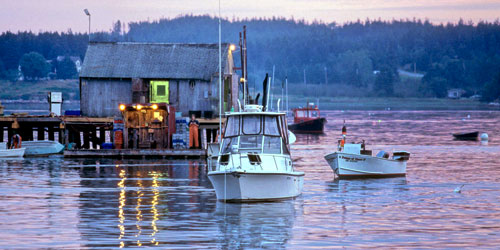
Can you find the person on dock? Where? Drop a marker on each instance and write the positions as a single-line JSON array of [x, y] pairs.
[[16, 141], [193, 132]]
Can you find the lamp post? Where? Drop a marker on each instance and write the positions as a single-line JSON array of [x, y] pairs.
[[88, 14]]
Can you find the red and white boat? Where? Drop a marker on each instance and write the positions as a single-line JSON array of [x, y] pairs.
[[307, 120]]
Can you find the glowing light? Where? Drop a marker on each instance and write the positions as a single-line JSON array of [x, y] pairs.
[[232, 47], [121, 214], [154, 210], [122, 107], [154, 106], [139, 107], [138, 215]]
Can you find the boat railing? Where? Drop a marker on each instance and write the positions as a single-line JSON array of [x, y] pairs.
[[234, 158]]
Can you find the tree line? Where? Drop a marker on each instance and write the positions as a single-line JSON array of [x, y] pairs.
[[366, 55]]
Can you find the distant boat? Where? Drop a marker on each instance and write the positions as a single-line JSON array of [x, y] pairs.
[[10, 153], [472, 136], [40, 148], [354, 161], [307, 120]]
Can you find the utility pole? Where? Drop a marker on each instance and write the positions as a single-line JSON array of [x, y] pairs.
[[326, 77], [305, 82]]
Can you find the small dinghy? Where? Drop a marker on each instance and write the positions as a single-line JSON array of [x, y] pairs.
[[10, 153], [354, 161], [472, 136], [41, 148]]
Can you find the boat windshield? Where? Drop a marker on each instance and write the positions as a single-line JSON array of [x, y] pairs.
[[255, 134], [301, 113], [252, 125], [254, 144]]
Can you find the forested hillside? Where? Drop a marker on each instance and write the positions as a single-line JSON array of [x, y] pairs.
[[363, 54]]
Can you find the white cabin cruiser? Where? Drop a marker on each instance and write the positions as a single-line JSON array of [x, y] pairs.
[[254, 162], [354, 161]]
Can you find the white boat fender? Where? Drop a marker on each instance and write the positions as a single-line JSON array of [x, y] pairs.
[[484, 137], [291, 137]]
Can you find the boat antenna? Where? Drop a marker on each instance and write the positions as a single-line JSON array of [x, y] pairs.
[[286, 90], [220, 81], [265, 96], [220, 101]]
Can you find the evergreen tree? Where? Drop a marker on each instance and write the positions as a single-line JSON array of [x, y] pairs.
[[66, 69], [384, 82], [491, 90], [34, 66], [3, 71]]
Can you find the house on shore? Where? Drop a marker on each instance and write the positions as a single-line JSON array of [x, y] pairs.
[[455, 93], [185, 76]]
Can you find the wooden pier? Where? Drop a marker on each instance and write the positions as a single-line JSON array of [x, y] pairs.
[[86, 132], [137, 153]]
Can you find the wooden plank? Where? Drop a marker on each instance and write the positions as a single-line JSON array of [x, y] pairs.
[[47, 119], [134, 153]]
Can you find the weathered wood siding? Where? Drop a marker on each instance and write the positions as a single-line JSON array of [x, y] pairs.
[[101, 97], [203, 96]]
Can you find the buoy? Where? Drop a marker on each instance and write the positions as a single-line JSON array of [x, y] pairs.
[[484, 137], [459, 189]]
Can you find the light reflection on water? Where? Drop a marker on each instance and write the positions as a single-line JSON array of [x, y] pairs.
[[59, 203]]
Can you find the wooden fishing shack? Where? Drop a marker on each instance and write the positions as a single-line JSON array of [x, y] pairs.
[[184, 76], [151, 86]]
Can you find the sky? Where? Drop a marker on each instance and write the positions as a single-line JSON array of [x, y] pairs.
[[62, 15]]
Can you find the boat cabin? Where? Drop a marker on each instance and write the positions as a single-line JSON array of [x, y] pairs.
[[308, 113], [256, 133]]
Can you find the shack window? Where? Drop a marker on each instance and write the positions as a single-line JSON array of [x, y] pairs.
[[232, 127], [160, 90], [300, 113], [251, 125], [271, 126], [314, 113]]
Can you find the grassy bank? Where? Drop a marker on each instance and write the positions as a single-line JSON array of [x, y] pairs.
[[70, 89], [394, 103], [38, 90]]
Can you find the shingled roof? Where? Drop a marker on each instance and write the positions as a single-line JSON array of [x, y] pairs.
[[152, 60]]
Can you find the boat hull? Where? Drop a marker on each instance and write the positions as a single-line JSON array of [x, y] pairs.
[[40, 148], [467, 136], [12, 153], [314, 126], [252, 187], [351, 166]]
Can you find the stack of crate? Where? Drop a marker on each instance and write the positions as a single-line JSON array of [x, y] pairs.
[[180, 139]]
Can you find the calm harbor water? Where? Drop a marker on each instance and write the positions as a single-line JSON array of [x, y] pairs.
[[78, 204]]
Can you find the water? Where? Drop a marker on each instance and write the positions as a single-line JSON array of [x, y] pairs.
[[79, 204]]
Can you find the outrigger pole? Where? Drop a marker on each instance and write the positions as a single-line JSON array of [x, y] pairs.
[[220, 83]]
